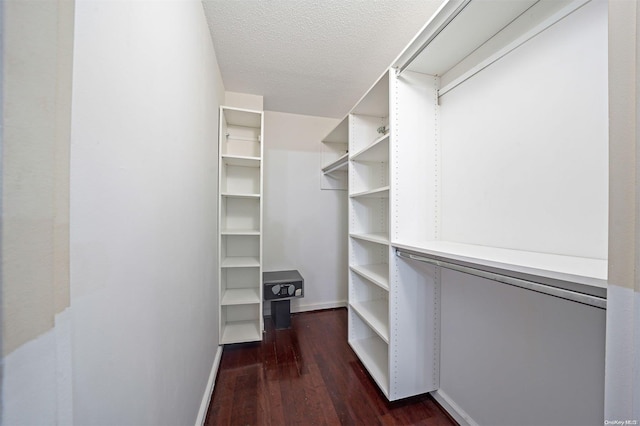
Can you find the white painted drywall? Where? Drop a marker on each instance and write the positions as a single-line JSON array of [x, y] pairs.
[[29, 383], [36, 68], [244, 100], [305, 228], [622, 373], [146, 92], [622, 386], [511, 356], [534, 122], [36, 379]]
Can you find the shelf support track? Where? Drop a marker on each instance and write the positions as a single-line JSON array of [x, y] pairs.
[[573, 296]]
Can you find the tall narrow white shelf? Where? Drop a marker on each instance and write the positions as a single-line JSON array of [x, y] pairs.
[[240, 225], [335, 157], [383, 330], [369, 233]]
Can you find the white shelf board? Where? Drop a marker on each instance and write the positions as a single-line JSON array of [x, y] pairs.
[[240, 232], [340, 165], [240, 160], [241, 296], [340, 134], [375, 103], [581, 270], [241, 138], [378, 273], [481, 20], [382, 192], [236, 195], [485, 26], [377, 151], [537, 18], [376, 314], [375, 237], [241, 331], [240, 262], [374, 354], [242, 117]]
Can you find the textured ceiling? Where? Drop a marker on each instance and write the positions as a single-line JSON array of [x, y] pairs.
[[311, 57]]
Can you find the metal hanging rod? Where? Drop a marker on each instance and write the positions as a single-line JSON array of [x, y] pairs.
[[336, 165], [573, 296]]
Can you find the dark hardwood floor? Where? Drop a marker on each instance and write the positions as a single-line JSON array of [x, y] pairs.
[[307, 375]]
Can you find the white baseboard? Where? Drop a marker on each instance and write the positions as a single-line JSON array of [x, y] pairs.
[[206, 397], [454, 410]]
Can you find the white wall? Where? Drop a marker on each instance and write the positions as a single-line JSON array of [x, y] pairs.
[[490, 129], [244, 100], [511, 356], [37, 111], [305, 228], [143, 211], [622, 375], [36, 69]]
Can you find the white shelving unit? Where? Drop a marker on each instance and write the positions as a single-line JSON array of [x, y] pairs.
[[482, 156], [384, 331], [499, 166], [484, 147], [240, 225], [335, 157], [511, 147], [369, 233]]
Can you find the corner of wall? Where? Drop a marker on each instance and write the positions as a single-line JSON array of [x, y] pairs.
[[243, 100]]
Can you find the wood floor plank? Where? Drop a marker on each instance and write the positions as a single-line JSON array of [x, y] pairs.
[[307, 375]]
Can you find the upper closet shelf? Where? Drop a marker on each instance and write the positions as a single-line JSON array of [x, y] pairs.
[[243, 117], [377, 151], [491, 30], [335, 157], [340, 134], [375, 102], [581, 274]]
